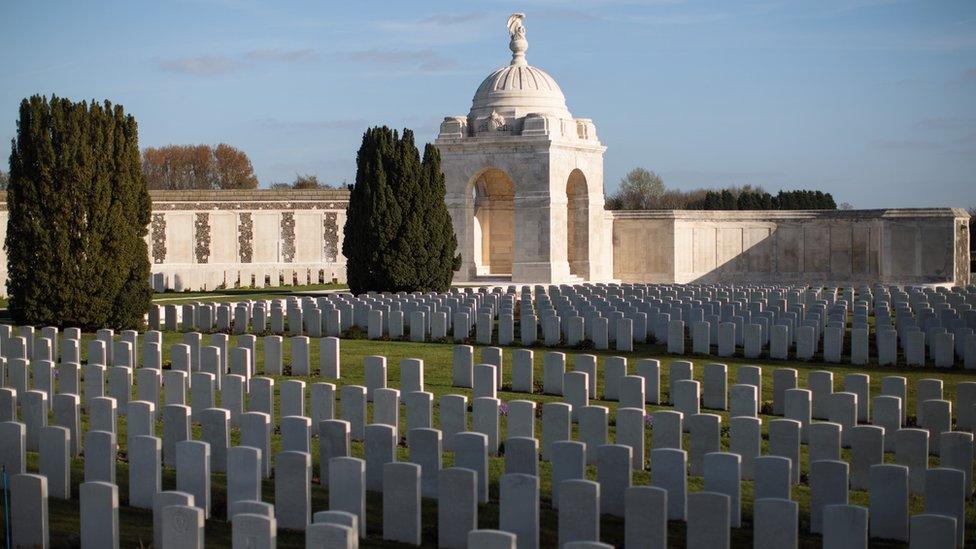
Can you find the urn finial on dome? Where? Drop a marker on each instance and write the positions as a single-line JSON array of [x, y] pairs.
[[518, 44]]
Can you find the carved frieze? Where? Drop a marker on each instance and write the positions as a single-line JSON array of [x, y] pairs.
[[201, 234], [158, 231], [331, 236], [229, 205], [288, 237], [245, 237]]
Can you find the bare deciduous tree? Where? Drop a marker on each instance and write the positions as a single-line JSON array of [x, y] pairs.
[[197, 167]]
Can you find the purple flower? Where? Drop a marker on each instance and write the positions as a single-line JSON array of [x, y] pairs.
[[503, 409], [648, 420]]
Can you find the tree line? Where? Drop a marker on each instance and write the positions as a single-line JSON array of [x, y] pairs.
[[206, 167], [642, 189]]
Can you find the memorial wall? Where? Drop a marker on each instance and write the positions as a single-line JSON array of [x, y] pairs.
[[211, 239], [833, 247]]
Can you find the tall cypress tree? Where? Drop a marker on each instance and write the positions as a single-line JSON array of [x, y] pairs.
[[79, 212], [398, 234], [442, 259], [373, 216]]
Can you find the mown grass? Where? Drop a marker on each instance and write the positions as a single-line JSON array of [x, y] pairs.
[[230, 294], [136, 525]]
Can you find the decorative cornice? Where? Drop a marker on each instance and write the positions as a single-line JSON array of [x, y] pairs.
[[237, 206]]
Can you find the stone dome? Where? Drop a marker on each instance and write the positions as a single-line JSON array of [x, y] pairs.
[[521, 88], [518, 89]]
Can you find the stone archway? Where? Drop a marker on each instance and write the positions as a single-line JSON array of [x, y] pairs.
[[577, 225], [493, 222]]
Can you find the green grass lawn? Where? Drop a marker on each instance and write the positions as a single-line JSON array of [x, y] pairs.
[[136, 525], [240, 294]]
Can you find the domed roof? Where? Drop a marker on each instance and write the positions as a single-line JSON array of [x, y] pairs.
[[519, 87], [523, 88]]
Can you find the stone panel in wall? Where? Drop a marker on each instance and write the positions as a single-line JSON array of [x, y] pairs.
[[266, 237], [757, 247], [308, 237], [937, 250], [245, 237], [816, 248], [789, 248], [861, 249], [223, 237], [643, 249], [684, 246], [729, 249], [180, 241], [288, 237], [902, 249], [840, 250], [201, 237], [157, 250], [330, 236], [704, 258]]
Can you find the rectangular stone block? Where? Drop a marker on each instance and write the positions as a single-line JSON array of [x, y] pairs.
[[454, 521], [99, 503]]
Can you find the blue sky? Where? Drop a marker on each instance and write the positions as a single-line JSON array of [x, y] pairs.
[[871, 100]]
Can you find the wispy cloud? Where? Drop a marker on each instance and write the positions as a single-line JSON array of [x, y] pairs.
[[906, 145], [454, 18], [425, 60], [212, 65], [281, 56], [337, 124], [946, 123], [206, 65], [568, 14]]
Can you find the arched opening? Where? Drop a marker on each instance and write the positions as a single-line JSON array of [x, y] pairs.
[[493, 227], [577, 225]]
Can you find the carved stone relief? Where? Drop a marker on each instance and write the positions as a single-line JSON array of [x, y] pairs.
[[202, 237], [288, 237], [245, 237], [331, 236], [158, 227]]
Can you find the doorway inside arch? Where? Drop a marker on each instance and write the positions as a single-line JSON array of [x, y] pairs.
[[493, 194], [577, 225]]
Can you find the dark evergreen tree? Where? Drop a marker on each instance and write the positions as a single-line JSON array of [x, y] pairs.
[[398, 233], [373, 216], [79, 212], [442, 257]]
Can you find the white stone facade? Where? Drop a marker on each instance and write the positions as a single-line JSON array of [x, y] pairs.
[[525, 181]]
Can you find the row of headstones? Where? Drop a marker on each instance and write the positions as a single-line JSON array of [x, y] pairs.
[[580, 502], [383, 317], [819, 402], [495, 414], [797, 405], [644, 386], [189, 357], [615, 376], [326, 315]]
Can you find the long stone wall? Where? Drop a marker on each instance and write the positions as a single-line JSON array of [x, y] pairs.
[[209, 239], [212, 239], [896, 246]]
